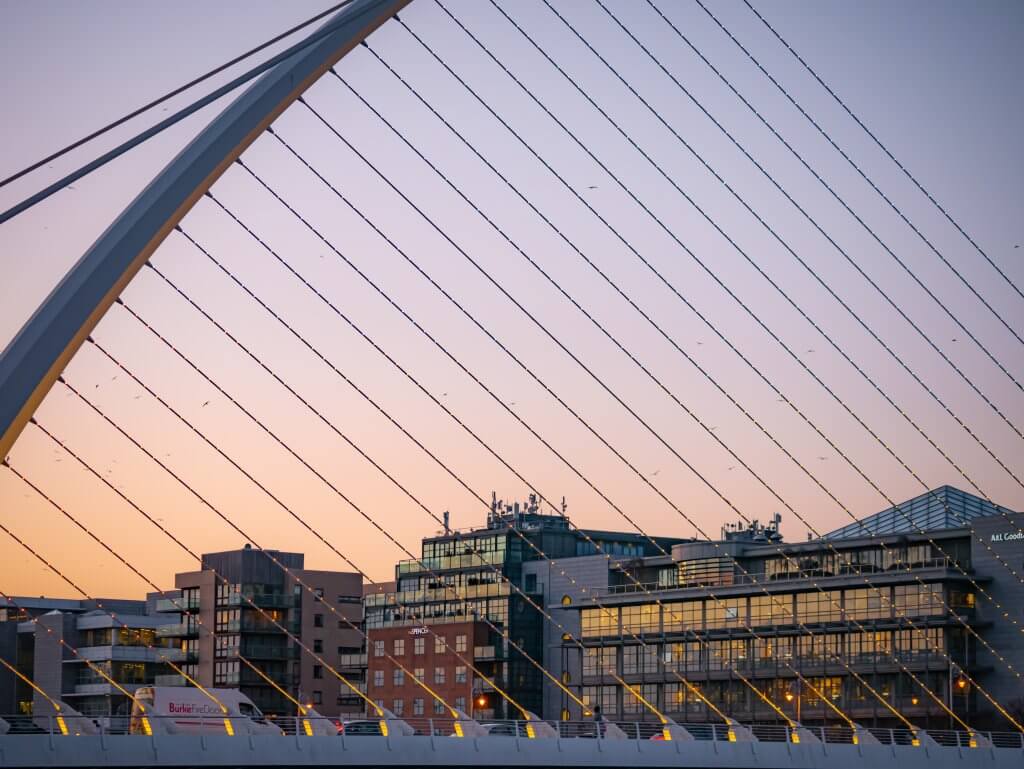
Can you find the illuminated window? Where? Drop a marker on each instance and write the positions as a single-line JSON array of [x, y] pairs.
[[727, 612], [460, 674], [679, 617], [866, 603], [818, 607], [440, 645], [460, 643], [566, 600]]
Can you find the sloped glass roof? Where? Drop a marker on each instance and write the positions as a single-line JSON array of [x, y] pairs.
[[942, 508]]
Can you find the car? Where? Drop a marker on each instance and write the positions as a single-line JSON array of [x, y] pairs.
[[358, 728], [505, 729]]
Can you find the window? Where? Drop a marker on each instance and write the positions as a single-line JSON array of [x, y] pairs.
[[439, 675], [438, 708], [318, 620], [601, 621], [920, 600], [399, 647], [318, 671], [599, 661], [225, 673], [378, 648], [318, 594], [378, 678], [771, 610], [439, 644], [639, 659], [566, 600], [867, 603], [224, 646], [460, 643], [226, 620], [318, 645], [727, 612], [645, 618], [318, 697], [679, 617], [418, 673], [397, 707], [632, 704], [818, 607], [398, 677], [460, 704], [419, 645], [417, 706], [706, 571], [460, 674]]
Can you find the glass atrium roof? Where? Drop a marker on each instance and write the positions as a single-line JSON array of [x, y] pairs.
[[941, 508]]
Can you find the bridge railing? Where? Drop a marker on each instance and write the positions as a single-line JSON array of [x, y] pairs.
[[445, 727]]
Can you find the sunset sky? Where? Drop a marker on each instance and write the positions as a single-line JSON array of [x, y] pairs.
[[938, 82]]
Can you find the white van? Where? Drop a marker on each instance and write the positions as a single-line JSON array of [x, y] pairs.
[[188, 710]]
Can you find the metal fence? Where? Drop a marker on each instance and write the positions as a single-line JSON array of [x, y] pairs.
[[301, 726]]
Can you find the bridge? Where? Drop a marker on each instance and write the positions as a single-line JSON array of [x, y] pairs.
[[166, 302]]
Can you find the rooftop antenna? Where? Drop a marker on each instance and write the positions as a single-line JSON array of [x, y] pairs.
[[565, 505], [447, 528]]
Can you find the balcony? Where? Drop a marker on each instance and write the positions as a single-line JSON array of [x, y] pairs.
[[270, 600], [180, 630], [486, 653], [170, 679], [270, 652], [177, 604], [463, 561], [259, 600], [256, 624], [249, 677], [440, 593], [352, 661]]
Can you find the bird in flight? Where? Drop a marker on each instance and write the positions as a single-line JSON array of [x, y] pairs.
[[656, 472], [205, 404], [592, 187]]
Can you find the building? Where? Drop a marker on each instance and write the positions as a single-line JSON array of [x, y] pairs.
[[242, 614], [461, 578], [708, 642], [126, 649]]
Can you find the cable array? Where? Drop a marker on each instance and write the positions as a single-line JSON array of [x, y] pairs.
[[903, 619], [326, 242], [886, 150], [646, 371], [860, 172], [703, 266]]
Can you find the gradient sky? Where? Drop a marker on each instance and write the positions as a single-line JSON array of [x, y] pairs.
[[939, 83]]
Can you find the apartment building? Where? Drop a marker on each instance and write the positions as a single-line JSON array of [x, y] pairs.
[[237, 618]]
